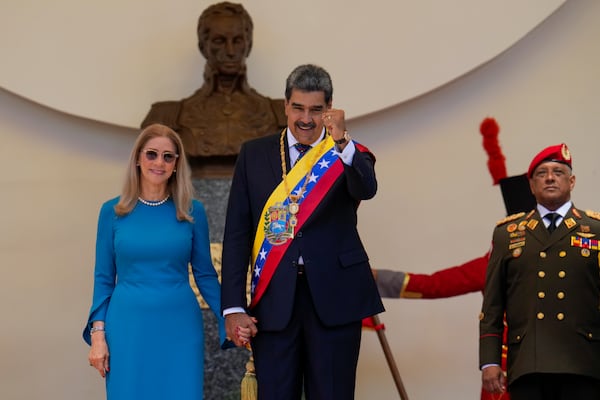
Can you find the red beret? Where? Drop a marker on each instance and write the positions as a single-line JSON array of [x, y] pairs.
[[557, 153]]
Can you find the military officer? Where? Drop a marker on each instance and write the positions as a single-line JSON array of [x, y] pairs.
[[460, 279], [544, 274]]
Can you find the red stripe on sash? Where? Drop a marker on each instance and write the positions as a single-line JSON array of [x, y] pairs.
[[309, 204]]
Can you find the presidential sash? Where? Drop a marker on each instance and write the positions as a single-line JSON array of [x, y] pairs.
[[308, 182]]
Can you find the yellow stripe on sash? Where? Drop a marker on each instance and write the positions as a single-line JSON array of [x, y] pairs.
[[299, 171]]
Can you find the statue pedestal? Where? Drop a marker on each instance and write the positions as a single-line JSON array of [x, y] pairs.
[[223, 369], [213, 167]]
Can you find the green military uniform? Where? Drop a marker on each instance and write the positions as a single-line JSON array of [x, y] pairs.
[[549, 286]]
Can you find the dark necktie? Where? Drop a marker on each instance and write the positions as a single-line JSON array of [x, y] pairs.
[[552, 217], [302, 149]]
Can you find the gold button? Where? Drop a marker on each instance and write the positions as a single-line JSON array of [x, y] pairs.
[[589, 335], [541, 274], [562, 274], [540, 315], [541, 295], [543, 254], [560, 295], [562, 253], [560, 316], [518, 337]]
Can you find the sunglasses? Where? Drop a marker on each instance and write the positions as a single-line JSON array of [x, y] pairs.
[[167, 156]]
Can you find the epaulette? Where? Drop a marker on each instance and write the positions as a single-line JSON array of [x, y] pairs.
[[593, 214], [510, 218]]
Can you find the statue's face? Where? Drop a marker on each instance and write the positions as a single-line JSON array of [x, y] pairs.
[[226, 47]]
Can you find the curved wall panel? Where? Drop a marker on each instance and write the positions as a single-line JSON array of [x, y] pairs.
[[110, 60]]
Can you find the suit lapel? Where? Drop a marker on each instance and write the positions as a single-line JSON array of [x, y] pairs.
[[274, 158]]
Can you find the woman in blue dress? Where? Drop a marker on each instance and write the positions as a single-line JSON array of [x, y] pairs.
[[145, 324]]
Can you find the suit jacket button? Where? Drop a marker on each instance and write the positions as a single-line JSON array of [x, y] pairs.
[[560, 316]]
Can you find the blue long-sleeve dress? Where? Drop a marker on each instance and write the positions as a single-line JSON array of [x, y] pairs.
[[153, 321]]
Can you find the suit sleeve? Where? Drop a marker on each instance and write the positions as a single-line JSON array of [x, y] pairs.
[[361, 180], [237, 238]]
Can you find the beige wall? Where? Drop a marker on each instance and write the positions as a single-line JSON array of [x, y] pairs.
[[435, 208]]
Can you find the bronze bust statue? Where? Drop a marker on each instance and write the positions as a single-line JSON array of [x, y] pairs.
[[225, 111]]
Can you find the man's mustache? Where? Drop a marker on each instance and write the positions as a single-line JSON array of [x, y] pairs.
[[302, 125]]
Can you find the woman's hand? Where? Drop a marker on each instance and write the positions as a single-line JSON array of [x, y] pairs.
[[99, 355]]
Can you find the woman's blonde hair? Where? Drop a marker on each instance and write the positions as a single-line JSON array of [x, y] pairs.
[[179, 186]]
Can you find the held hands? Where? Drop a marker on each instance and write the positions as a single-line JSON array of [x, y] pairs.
[[98, 355], [493, 379], [240, 328]]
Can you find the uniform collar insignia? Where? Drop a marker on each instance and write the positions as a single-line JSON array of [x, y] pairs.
[[570, 222]]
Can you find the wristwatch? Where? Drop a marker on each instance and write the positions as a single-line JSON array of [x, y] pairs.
[[344, 139]]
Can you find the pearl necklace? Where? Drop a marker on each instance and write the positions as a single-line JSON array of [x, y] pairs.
[[153, 203]]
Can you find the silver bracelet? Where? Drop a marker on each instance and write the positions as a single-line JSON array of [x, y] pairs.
[[96, 329]]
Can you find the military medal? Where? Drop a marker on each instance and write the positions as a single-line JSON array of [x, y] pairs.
[[586, 235], [585, 243], [516, 245], [293, 206], [585, 252]]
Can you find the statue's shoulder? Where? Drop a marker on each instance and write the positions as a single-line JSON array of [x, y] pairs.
[[278, 106], [510, 218], [163, 112]]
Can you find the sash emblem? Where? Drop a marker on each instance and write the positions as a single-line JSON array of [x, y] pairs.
[[279, 227]]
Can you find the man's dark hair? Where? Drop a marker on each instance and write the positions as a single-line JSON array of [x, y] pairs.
[[309, 78]]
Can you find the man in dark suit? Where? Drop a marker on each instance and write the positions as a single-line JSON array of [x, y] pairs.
[[544, 274], [291, 217]]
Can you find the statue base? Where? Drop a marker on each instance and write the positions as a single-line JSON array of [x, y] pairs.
[[213, 167], [223, 369]]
